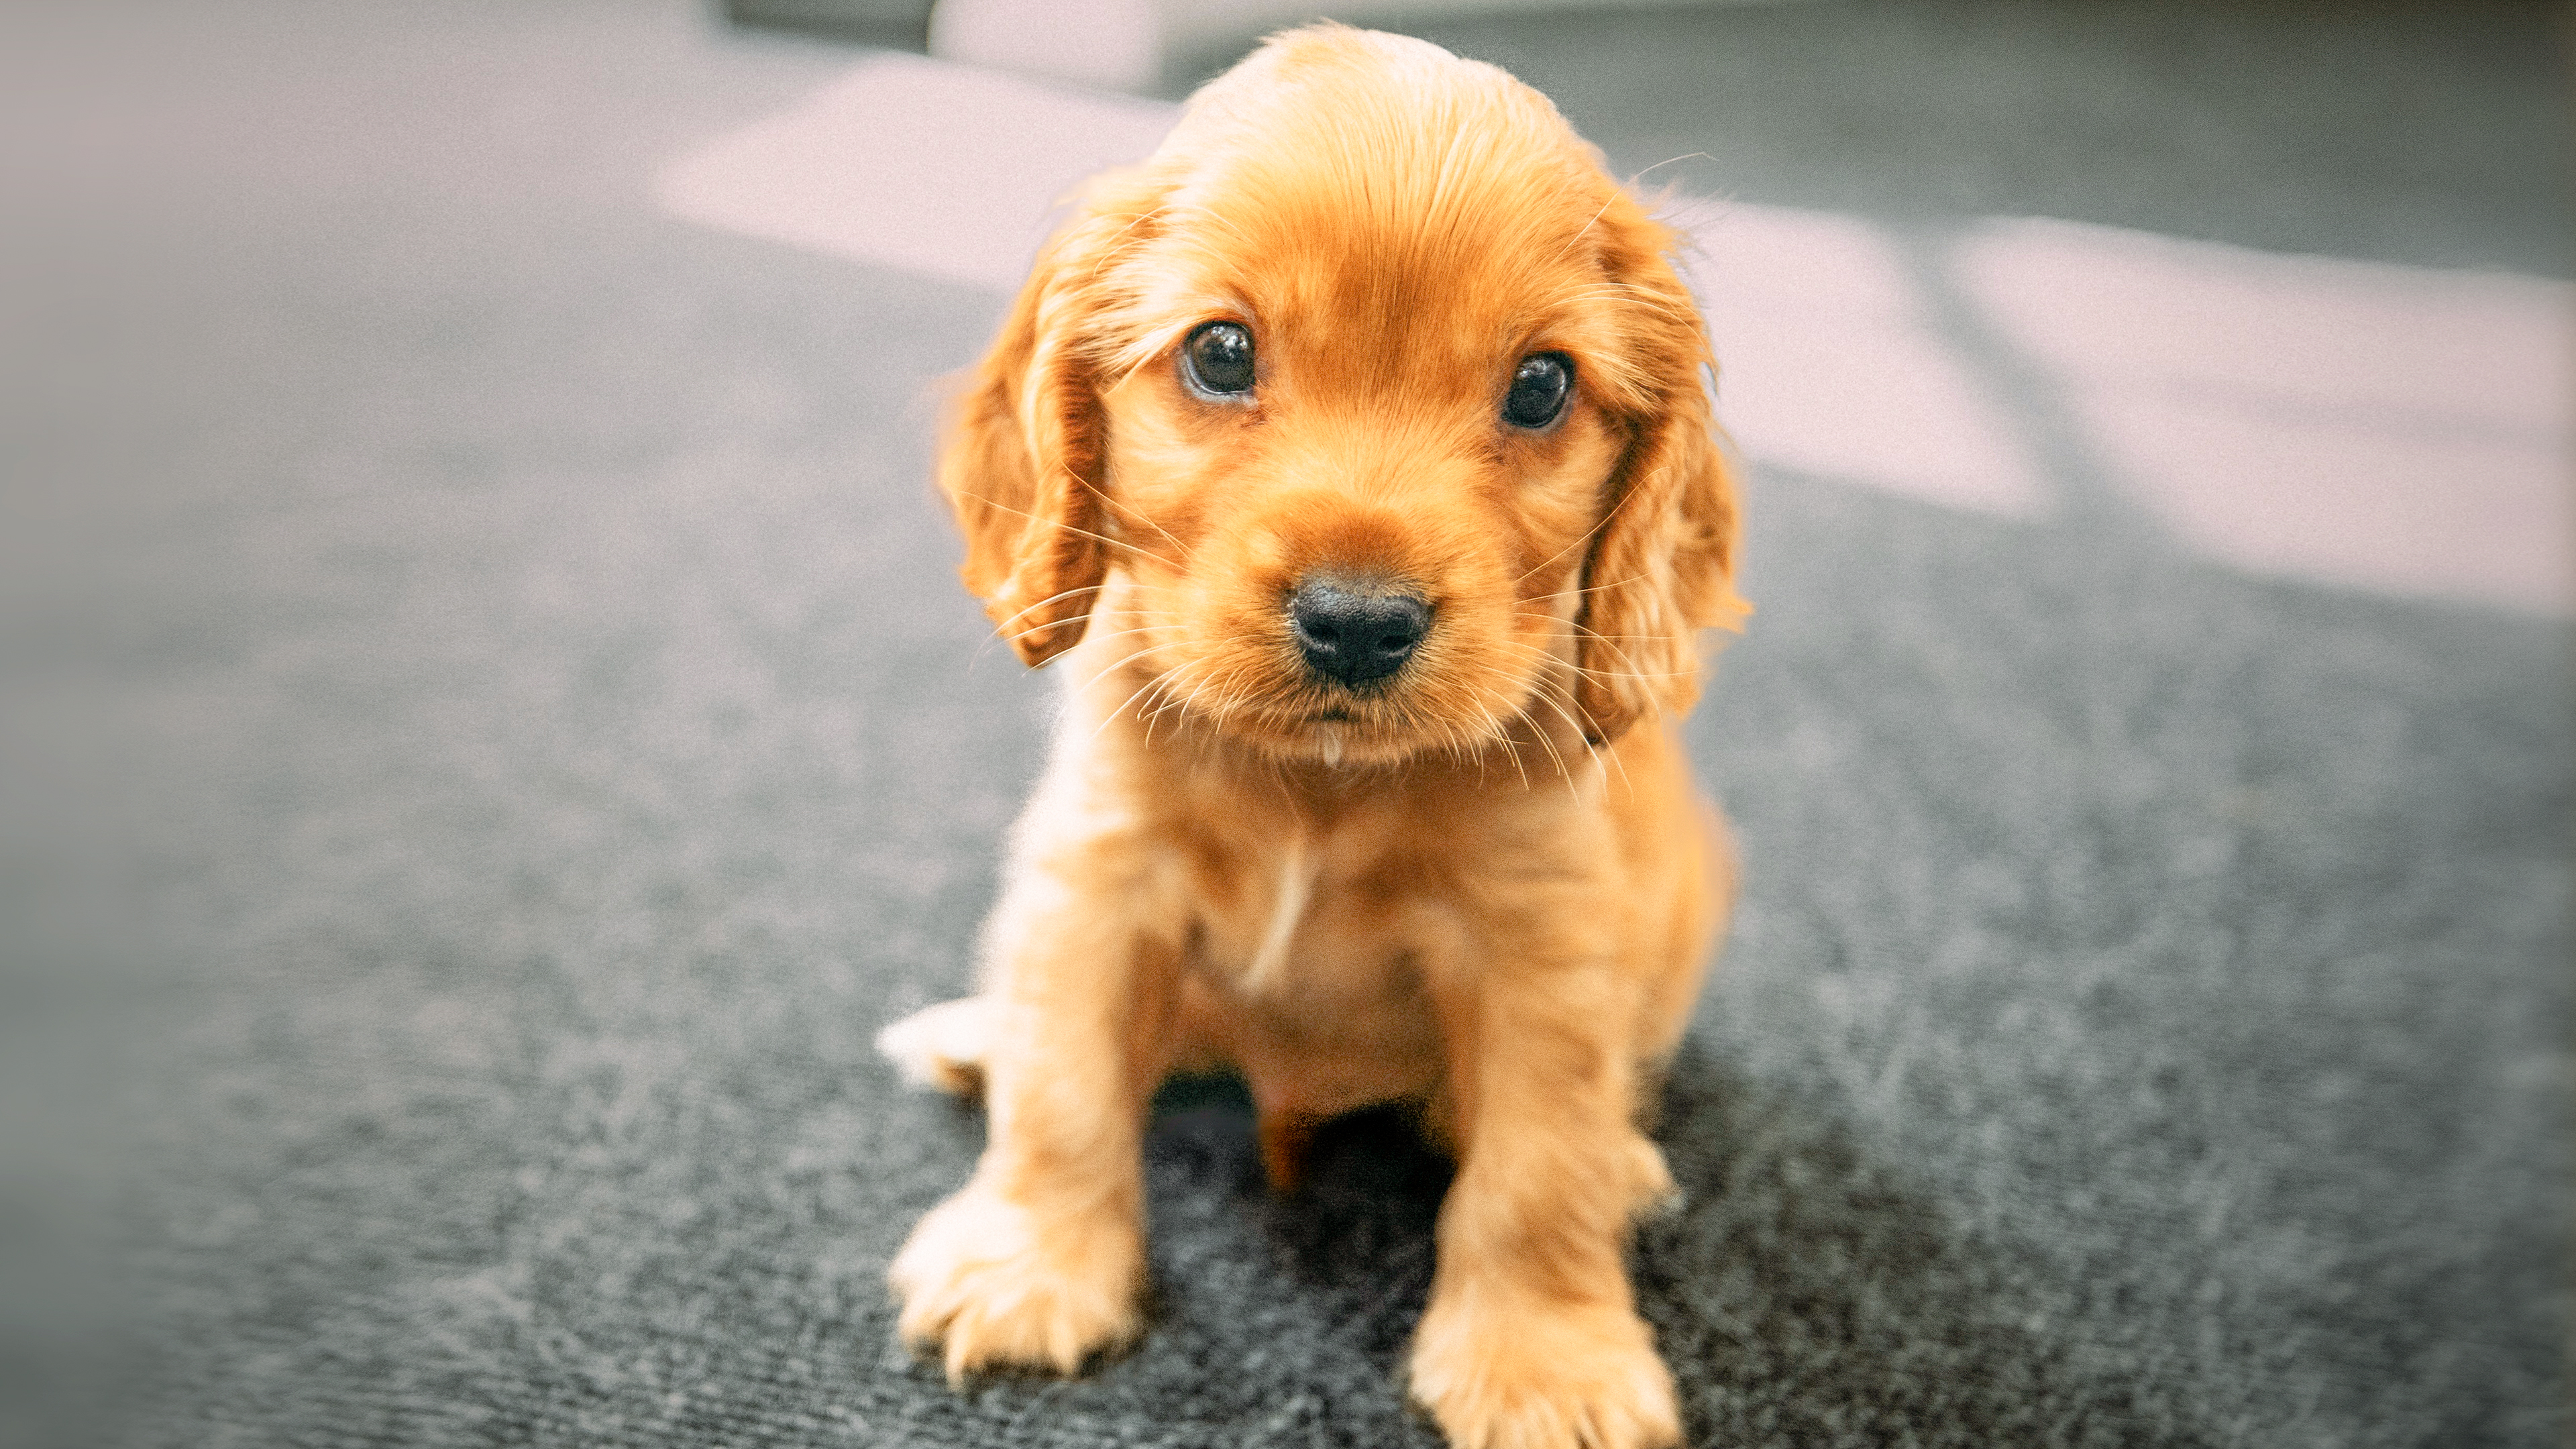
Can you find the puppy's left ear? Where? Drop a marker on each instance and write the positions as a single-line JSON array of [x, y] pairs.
[[1022, 461], [1664, 566]]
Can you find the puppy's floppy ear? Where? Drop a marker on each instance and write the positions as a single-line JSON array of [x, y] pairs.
[[1663, 567], [1024, 447]]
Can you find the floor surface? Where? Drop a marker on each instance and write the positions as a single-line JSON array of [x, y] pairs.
[[492, 731]]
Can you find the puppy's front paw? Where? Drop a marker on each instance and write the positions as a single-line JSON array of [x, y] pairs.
[[1528, 1376], [1001, 1285]]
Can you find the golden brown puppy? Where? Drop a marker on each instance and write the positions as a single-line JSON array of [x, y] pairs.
[[1354, 453]]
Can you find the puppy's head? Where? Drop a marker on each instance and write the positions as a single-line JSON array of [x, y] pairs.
[[1386, 401]]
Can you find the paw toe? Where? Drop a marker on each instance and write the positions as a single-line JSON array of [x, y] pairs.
[[994, 1287], [1554, 1381]]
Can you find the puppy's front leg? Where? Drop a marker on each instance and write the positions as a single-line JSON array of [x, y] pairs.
[[1039, 1259], [1531, 1339]]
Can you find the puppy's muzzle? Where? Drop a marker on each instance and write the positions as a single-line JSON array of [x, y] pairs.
[[1353, 633]]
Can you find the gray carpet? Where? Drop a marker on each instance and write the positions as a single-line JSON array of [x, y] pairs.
[[493, 730]]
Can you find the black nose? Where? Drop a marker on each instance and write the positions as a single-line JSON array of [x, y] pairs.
[[1352, 634]]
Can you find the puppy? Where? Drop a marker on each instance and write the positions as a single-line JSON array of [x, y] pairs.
[[1354, 454]]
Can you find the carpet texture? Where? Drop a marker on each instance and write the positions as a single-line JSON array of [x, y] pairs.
[[495, 731]]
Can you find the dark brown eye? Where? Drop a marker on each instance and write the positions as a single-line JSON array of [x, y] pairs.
[[1217, 359], [1539, 386]]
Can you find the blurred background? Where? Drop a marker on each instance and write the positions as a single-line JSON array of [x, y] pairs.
[[489, 727]]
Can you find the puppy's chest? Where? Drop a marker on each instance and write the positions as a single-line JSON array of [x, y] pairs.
[[1316, 916]]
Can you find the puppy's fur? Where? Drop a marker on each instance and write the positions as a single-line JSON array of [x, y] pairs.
[[1483, 883]]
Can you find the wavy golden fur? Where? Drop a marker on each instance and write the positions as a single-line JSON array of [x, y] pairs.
[[1482, 883]]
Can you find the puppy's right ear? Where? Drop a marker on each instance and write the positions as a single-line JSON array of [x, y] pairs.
[[1024, 447]]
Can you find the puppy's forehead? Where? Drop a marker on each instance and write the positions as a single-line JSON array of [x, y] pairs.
[[1365, 179]]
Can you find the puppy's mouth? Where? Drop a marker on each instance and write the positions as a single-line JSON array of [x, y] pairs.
[[1366, 715], [1382, 724]]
